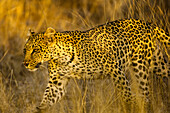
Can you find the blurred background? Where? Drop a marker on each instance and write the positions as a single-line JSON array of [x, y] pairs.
[[21, 91]]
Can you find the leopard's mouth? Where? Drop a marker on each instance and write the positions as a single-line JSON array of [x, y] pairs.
[[35, 69], [31, 67], [38, 65]]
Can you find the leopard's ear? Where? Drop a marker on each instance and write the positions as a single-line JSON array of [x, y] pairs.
[[30, 33], [50, 31]]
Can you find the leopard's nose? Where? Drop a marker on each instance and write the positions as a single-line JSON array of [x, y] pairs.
[[25, 64]]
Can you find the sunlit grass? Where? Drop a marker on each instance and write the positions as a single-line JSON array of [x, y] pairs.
[[21, 91]]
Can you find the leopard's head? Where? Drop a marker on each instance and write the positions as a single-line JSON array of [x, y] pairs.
[[39, 48]]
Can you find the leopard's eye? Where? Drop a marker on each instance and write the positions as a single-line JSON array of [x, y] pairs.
[[34, 50]]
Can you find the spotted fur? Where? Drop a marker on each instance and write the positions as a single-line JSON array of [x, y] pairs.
[[111, 50]]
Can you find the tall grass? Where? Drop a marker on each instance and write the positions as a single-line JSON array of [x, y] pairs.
[[21, 91]]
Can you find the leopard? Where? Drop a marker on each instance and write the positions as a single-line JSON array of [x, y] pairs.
[[112, 50]]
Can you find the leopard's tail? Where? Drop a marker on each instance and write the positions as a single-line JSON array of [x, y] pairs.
[[163, 44], [164, 40]]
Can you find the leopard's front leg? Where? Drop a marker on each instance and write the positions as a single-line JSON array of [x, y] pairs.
[[55, 89]]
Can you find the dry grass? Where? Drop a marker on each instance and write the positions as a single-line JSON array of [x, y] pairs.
[[21, 90]]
